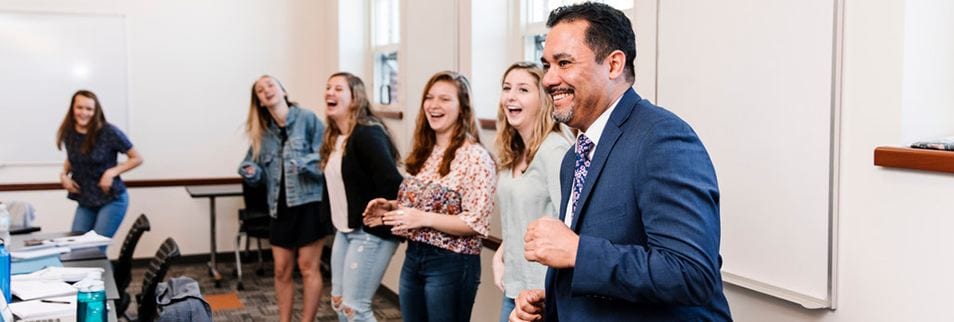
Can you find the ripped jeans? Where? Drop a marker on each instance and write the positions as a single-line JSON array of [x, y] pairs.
[[358, 261]]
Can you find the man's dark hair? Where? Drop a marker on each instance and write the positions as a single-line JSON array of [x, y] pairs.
[[609, 29]]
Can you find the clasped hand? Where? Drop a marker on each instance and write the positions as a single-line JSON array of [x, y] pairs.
[[384, 212], [550, 242], [105, 182]]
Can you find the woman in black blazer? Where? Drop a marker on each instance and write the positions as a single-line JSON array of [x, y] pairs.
[[359, 161]]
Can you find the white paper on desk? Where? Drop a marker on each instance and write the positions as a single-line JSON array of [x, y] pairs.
[[29, 290], [38, 310], [89, 239], [50, 251], [65, 274], [43, 244]]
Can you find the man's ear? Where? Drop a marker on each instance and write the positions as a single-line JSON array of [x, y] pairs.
[[616, 61]]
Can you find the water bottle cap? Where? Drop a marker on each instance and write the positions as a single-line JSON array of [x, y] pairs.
[[90, 284]]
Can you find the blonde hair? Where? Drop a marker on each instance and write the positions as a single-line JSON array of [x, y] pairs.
[[359, 112], [424, 136], [511, 147], [258, 117]]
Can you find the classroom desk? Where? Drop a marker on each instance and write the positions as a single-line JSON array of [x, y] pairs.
[[211, 192], [112, 292], [81, 254]]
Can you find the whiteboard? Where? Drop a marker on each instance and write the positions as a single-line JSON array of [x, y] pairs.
[[756, 80], [44, 59]]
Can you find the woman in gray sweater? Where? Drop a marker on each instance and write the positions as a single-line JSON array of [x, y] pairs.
[[531, 146]]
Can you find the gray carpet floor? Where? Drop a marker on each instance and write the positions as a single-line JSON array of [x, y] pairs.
[[258, 297]]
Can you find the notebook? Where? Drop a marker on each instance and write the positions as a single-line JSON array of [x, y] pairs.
[[48, 309], [35, 289]]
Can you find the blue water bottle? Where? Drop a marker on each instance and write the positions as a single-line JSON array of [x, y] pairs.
[[5, 271], [91, 300]]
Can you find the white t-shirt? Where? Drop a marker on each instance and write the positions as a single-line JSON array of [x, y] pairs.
[[337, 197]]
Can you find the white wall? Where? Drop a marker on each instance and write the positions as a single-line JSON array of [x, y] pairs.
[[191, 67], [192, 64], [894, 230]]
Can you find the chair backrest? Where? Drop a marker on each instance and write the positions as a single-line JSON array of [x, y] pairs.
[[256, 197], [122, 270], [21, 213], [155, 273]]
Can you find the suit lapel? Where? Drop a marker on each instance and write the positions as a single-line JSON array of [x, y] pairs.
[[608, 138]]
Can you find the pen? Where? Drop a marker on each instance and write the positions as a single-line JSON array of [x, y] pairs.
[[56, 302]]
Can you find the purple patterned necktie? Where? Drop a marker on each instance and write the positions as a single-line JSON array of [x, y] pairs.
[[582, 149]]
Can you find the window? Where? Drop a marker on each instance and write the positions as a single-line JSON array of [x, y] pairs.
[[385, 42], [534, 19]]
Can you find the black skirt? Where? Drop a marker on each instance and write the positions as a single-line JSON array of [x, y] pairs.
[[299, 225]]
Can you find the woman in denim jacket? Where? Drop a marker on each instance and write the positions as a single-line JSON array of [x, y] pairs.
[[285, 140]]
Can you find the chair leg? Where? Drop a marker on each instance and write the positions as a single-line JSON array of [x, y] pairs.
[[261, 264], [238, 262]]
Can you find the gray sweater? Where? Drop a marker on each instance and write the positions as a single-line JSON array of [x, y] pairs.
[[521, 200]]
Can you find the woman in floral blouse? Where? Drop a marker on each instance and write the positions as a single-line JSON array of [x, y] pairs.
[[443, 207]]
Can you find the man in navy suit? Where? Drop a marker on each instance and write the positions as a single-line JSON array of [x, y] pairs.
[[639, 236]]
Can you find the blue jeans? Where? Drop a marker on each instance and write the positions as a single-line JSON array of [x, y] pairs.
[[438, 284], [104, 219], [358, 261], [506, 307]]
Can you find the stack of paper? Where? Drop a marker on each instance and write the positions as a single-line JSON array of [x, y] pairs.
[[89, 239], [48, 309], [35, 289], [34, 244], [37, 253], [66, 274]]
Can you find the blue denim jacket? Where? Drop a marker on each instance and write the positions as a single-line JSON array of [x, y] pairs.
[[303, 180]]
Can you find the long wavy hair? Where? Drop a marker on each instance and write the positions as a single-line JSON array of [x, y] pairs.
[[95, 126], [511, 147], [424, 136], [258, 117], [359, 112]]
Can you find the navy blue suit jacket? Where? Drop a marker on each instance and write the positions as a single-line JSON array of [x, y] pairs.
[[648, 221]]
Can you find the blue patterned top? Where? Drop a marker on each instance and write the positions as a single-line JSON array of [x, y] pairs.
[[86, 169]]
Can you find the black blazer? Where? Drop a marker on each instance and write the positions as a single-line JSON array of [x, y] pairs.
[[369, 172]]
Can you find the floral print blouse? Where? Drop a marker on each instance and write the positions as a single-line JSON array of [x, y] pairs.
[[467, 191]]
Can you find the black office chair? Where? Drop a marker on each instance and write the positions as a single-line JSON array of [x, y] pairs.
[[147, 309], [122, 268], [254, 221]]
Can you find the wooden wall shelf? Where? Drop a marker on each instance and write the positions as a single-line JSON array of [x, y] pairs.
[[394, 115], [916, 159], [147, 183], [487, 124]]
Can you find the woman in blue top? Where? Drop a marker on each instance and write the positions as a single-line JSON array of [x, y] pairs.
[[285, 140], [91, 172]]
